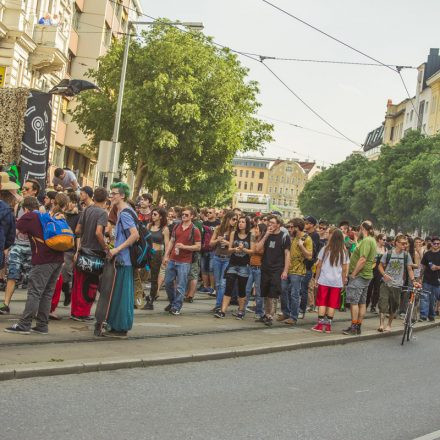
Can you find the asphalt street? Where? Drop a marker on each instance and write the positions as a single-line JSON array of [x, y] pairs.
[[368, 390]]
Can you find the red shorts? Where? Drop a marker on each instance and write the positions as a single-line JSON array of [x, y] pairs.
[[328, 296]]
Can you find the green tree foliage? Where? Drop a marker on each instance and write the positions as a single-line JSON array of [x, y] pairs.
[[188, 109], [401, 190]]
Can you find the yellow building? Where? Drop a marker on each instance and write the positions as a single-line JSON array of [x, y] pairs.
[[286, 181], [251, 175], [394, 122], [434, 113]]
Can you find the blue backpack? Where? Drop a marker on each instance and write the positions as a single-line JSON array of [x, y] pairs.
[[57, 234]]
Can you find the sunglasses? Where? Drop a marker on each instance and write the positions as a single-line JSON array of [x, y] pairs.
[[185, 214], [436, 243], [233, 219]]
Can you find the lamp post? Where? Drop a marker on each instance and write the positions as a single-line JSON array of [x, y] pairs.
[[115, 138]]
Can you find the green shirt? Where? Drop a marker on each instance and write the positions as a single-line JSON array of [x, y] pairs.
[[367, 249]]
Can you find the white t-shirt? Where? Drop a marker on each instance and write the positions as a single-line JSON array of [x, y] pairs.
[[331, 276], [66, 181]]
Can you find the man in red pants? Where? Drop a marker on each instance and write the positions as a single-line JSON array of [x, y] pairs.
[[90, 229]]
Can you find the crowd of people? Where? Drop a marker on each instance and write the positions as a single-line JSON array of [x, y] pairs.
[[248, 260]]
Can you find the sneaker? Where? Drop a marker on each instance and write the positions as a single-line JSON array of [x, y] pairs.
[[213, 293], [115, 334], [351, 331], [215, 309], [358, 329], [188, 300], [402, 316], [168, 308], [250, 309], [282, 318], [88, 318], [240, 315], [54, 317], [175, 312], [373, 309], [290, 321], [76, 318], [79, 318], [422, 319], [311, 309], [268, 321], [15, 328], [204, 289], [301, 315], [219, 314], [328, 327], [318, 327], [4, 309], [259, 318], [40, 331], [148, 306]]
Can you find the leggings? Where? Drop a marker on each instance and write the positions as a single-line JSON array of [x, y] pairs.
[[155, 269], [231, 278]]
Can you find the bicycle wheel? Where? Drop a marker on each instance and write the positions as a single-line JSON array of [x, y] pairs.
[[407, 323], [411, 325]]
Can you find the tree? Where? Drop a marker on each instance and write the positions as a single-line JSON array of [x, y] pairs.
[[188, 110]]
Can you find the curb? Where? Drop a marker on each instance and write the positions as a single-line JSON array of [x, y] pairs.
[[49, 369]]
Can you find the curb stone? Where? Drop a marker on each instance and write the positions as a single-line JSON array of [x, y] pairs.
[[44, 370]]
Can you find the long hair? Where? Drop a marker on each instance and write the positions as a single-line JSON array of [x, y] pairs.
[[162, 216], [336, 248], [225, 224], [248, 224], [60, 203], [263, 228]]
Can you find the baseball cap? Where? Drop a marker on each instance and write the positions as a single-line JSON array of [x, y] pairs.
[[88, 190], [311, 220]]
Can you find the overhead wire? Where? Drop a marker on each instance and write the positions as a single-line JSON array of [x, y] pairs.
[[397, 68]]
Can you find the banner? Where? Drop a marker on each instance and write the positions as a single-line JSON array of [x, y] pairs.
[[36, 139]]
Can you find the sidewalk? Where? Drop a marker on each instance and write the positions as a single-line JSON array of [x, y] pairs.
[[160, 338]]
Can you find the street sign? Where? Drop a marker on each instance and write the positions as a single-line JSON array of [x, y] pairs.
[[2, 75]]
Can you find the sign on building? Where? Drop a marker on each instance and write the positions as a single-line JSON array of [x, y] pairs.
[[2, 75]]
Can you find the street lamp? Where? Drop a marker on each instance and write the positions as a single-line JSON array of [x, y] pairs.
[[115, 138]]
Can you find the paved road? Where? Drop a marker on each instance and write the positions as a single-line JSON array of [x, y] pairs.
[[370, 390]]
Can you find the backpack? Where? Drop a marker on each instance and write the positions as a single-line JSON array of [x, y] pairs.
[[141, 251], [309, 263], [206, 239], [57, 234]]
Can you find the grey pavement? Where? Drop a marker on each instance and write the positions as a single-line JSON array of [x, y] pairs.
[[158, 338], [368, 390]]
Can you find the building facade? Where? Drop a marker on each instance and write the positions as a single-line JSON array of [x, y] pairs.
[[35, 40], [95, 25], [286, 181]]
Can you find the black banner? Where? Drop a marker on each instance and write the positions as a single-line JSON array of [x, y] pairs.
[[36, 139]]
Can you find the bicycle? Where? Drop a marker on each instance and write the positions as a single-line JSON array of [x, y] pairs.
[[410, 319]]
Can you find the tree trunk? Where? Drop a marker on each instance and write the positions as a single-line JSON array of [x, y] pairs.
[[140, 177]]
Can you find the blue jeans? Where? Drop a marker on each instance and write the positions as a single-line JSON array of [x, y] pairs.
[[207, 263], [219, 266], [290, 297], [304, 290], [255, 279], [428, 301], [175, 291]]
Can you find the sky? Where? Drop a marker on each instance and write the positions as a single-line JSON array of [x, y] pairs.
[[352, 98]]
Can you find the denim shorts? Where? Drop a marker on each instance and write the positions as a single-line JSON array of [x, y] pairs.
[[241, 271], [19, 261]]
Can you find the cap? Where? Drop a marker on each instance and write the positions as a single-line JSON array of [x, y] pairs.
[[88, 190], [6, 182], [310, 219]]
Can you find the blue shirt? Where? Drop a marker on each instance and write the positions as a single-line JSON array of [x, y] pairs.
[[124, 223]]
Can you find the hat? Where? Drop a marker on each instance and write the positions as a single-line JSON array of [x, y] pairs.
[[88, 190], [6, 183], [311, 220]]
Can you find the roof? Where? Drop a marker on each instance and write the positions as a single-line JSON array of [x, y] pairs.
[[307, 166], [374, 138]]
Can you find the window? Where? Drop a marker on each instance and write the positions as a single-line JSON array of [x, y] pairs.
[[261, 174], [76, 18], [392, 133], [251, 186], [281, 190], [241, 173], [20, 73], [247, 174], [239, 184], [253, 174], [275, 190], [69, 62], [234, 172], [107, 36], [270, 189], [64, 104], [260, 187], [245, 185], [411, 115]]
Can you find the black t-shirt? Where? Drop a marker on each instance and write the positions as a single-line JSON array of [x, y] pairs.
[[212, 225], [274, 247], [240, 258], [431, 276]]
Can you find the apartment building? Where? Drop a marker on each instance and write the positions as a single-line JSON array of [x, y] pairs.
[[35, 40], [95, 25]]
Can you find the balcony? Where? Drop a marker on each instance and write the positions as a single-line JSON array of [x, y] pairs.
[[51, 52]]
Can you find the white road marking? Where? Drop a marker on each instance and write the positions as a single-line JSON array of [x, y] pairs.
[[433, 436], [362, 391]]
